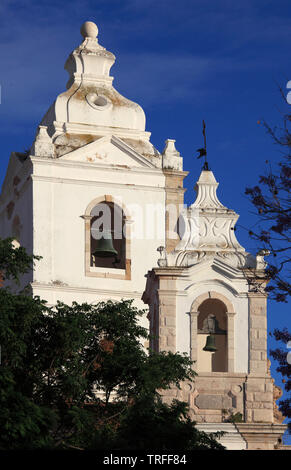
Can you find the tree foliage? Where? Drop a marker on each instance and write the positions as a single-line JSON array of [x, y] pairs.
[[281, 355], [14, 262], [272, 200], [78, 376]]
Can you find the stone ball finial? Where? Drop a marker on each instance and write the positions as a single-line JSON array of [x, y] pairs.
[[89, 30]]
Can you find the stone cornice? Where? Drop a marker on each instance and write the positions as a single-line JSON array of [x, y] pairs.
[[169, 172], [97, 183], [85, 290], [171, 271], [259, 428], [229, 375], [98, 130], [172, 293], [94, 166]]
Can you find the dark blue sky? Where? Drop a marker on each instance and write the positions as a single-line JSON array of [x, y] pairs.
[[182, 61]]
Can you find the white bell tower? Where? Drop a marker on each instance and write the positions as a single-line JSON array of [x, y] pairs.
[[91, 167]]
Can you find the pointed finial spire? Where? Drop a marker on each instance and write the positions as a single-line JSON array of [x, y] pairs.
[[90, 62], [203, 151]]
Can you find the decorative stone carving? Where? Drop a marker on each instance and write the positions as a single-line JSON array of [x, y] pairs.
[[237, 259], [189, 258], [162, 261], [42, 146], [208, 230], [90, 60], [91, 107], [171, 157], [260, 262], [213, 222]]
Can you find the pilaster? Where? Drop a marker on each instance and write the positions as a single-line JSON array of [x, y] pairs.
[[257, 333], [167, 314], [230, 340], [193, 337], [174, 203], [261, 436], [259, 407], [167, 292]]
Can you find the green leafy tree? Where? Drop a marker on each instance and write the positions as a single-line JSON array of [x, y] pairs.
[[78, 376], [23, 423], [283, 358], [272, 199]]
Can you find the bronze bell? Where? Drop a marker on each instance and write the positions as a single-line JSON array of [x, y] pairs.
[[105, 248], [210, 344]]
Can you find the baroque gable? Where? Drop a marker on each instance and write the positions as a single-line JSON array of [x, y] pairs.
[[108, 150]]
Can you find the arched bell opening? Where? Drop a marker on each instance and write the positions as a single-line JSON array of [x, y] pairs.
[[212, 353], [107, 239]]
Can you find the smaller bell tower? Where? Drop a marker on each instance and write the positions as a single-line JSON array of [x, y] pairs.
[[201, 303]]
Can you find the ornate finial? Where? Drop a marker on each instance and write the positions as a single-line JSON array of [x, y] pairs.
[[162, 261], [43, 145], [89, 30], [202, 151], [89, 62], [171, 157]]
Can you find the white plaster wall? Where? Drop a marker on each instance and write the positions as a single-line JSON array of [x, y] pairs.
[[61, 195], [92, 296], [21, 195], [241, 334], [183, 324], [22, 209], [5, 224], [94, 173]]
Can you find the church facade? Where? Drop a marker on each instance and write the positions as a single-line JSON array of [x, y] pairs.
[[103, 207]]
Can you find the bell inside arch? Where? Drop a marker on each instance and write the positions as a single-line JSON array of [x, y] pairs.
[[105, 248], [210, 344]]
